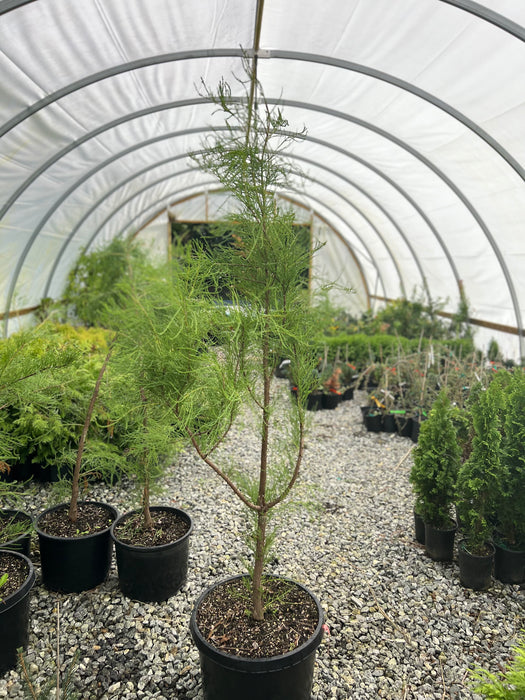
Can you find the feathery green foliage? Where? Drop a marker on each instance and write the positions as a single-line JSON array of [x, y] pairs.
[[262, 269], [479, 476], [510, 499], [92, 282], [436, 464], [201, 359], [506, 685]]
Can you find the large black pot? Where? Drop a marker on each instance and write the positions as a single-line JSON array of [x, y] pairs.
[[509, 564], [14, 619], [74, 564], [152, 574], [439, 542], [21, 543], [475, 571], [419, 528], [285, 677]]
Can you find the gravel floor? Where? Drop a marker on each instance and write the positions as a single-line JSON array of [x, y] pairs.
[[401, 626]]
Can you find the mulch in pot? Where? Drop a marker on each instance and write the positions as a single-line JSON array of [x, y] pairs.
[[16, 570], [291, 617], [167, 527], [91, 518]]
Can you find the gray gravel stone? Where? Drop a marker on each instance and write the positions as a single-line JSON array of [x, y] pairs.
[[401, 626]]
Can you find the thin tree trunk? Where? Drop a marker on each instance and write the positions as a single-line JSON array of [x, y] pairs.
[[260, 546], [148, 522], [257, 587], [75, 488]]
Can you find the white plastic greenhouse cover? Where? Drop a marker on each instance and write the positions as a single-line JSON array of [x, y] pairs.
[[413, 163]]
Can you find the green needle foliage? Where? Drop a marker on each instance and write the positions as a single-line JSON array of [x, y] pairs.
[[506, 685], [436, 464], [203, 359], [510, 501], [479, 476], [262, 269], [92, 282]]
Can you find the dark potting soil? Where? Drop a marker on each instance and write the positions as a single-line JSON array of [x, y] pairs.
[[167, 527], [16, 570], [91, 518], [290, 619]]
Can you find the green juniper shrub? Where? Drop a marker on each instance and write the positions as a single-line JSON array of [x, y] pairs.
[[436, 463], [510, 498], [479, 476], [34, 368]]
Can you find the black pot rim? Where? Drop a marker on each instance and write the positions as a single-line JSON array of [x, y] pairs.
[[462, 544], [242, 663], [43, 533], [156, 548], [16, 596], [27, 516], [453, 526], [500, 543]]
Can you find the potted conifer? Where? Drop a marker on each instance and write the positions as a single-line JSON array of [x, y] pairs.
[[151, 542], [477, 486], [30, 363], [263, 269], [433, 477], [17, 577], [509, 537], [75, 545], [260, 270]]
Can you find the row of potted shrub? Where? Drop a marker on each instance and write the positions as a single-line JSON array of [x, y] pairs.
[[468, 475], [187, 364]]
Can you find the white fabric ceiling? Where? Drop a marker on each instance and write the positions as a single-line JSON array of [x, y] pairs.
[[414, 159]]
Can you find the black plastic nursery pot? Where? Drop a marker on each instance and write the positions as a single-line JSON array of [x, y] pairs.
[[404, 424], [388, 424], [75, 564], [419, 528], [439, 542], [416, 425], [153, 574], [509, 564], [348, 393], [314, 401], [14, 619], [475, 571], [21, 543], [331, 400], [285, 677], [373, 422]]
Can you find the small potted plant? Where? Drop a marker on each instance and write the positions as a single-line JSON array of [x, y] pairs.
[[477, 486], [30, 362], [433, 478], [332, 395], [509, 536], [264, 271], [260, 269], [74, 539], [17, 577], [16, 526], [151, 542]]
